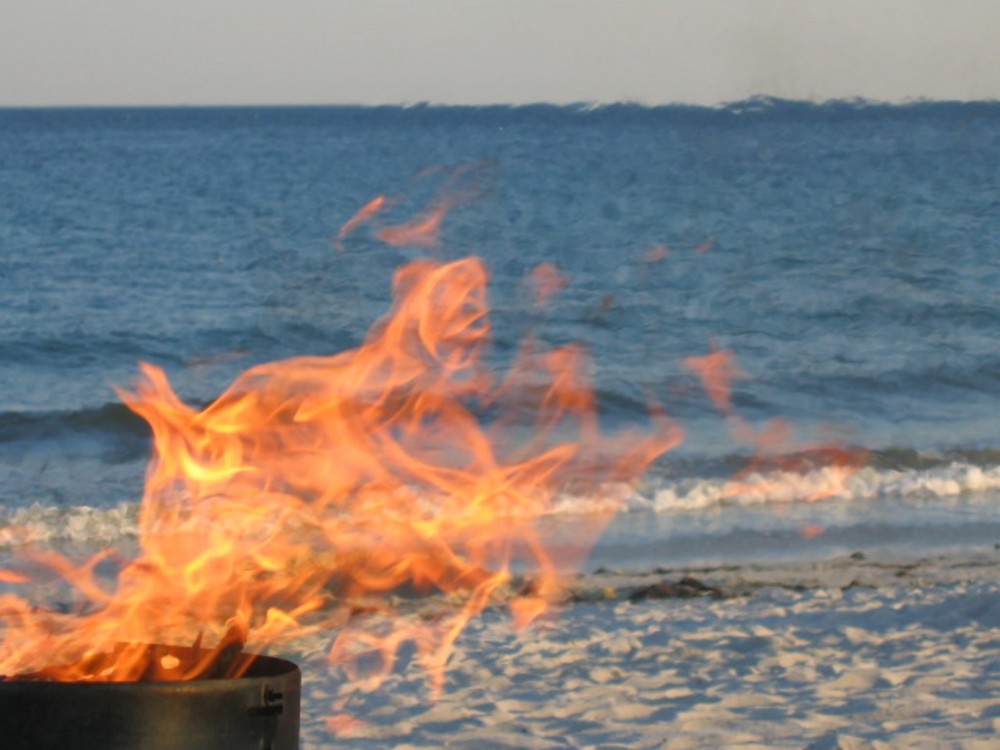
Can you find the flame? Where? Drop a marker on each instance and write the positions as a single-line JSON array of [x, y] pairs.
[[717, 371], [811, 531], [463, 184], [363, 214], [547, 282], [778, 455], [315, 487], [423, 230], [656, 253]]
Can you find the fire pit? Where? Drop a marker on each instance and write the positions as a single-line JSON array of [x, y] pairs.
[[258, 710]]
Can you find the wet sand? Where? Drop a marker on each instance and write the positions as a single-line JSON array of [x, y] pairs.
[[846, 654]]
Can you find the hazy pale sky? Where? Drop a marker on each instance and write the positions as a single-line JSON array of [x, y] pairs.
[[55, 52]]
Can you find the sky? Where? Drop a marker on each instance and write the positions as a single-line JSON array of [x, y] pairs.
[[203, 52]]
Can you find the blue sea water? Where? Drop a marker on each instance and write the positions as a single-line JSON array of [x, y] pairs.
[[845, 253]]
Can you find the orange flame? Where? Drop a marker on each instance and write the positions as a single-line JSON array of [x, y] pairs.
[[717, 371], [811, 531], [314, 487], [777, 454], [547, 282], [423, 230], [656, 253], [363, 214], [463, 183]]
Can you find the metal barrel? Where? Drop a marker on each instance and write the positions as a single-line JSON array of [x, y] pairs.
[[257, 711]]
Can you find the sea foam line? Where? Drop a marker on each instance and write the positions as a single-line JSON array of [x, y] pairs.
[[958, 482]]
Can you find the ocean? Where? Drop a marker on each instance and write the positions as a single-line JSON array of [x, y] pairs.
[[843, 254]]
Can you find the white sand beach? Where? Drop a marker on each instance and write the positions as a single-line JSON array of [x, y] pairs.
[[844, 654]]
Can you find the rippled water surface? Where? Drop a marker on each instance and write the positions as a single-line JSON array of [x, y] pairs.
[[846, 255]]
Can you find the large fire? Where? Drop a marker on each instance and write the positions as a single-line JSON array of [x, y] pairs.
[[315, 487]]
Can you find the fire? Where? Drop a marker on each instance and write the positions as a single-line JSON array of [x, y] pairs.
[[462, 184], [314, 487], [364, 214], [656, 253], [777, 453], [717, 371], [422, 230], [547, 281]]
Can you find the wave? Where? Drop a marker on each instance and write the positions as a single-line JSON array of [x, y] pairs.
[[111, 419], [955, 481], [950, 483]]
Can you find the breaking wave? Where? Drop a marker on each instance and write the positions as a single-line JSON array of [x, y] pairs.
[[954, 481], [950, 483], [41, 524]]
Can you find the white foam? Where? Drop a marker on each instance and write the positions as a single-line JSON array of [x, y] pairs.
[[84, 524], [961, 482], [958, 481]]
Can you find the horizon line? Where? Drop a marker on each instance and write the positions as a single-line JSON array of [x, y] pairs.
[[581, 105]]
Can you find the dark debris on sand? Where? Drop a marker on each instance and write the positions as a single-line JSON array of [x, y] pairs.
[[857, 570], [686, 588]]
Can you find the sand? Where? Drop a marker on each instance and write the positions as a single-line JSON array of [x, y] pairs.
[[846, 654]]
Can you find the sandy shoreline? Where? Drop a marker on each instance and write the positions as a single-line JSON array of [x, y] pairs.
[[848, 653]]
